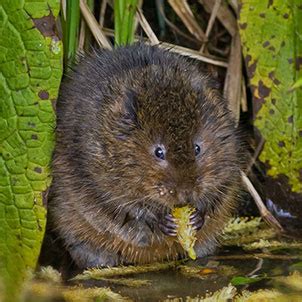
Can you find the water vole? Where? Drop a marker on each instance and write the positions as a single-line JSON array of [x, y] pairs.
[[139, 131]]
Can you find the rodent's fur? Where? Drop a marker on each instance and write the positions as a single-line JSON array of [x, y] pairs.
[[109, 191]]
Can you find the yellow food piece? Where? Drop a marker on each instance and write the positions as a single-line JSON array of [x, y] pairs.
[[185, 233]]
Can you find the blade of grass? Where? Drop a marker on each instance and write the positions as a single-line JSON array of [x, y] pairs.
[[71, 30], [118, 6], [125, 24], [124, 16], [131, 20]]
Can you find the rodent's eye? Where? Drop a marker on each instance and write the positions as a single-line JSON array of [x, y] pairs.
[[197, 149], [160, 153]]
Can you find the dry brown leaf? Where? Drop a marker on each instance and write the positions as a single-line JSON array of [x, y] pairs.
[[232, 84]]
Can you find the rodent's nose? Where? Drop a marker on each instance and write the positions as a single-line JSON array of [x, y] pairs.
[[184, 197]]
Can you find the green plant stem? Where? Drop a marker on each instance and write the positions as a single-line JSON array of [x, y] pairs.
[[124, 15], [71, 30]]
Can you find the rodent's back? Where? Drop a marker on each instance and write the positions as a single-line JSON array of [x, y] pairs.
[[139, 131]]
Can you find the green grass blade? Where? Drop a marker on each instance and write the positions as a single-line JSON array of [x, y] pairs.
[[124, 16], [71, 30]]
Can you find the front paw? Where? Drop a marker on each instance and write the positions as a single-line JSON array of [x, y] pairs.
[[168, 225], [197, 220]]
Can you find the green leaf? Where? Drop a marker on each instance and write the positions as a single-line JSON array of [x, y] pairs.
[[30, 74], [271, 35], [71, 30], [240, 280]]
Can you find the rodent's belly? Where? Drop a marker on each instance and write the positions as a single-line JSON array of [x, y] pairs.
[[95, 239], [110, 243], [132, 243]]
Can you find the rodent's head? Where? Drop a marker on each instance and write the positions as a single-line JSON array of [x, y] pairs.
[[165, 139]]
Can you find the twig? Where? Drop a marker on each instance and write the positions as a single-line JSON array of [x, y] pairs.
[[224, 53], [182, 50], [82, 36], [224, 15], [194, 54], [146, 27], [257, 268], [94, 26], [252, 273], [183, 10], [211, 22], [267, 216], [175, 28], [255, 156], [102, 13]]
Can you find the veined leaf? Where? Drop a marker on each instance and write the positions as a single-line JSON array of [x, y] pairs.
[[30, 74], [271, 34]]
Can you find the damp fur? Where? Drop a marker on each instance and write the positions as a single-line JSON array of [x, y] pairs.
[[110, 193]]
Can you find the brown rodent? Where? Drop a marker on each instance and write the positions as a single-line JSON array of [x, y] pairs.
[[140, 130]]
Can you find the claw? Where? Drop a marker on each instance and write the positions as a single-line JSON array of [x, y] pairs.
[[197, 220], [170, 218], [193, 215], [167, 231], [171, 225], [198, 225], [168, 226]]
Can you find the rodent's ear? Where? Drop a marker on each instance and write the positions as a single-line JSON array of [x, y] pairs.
[[130, 107]]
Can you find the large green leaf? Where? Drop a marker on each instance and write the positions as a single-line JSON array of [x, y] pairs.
[[31, 69], [271, 34]]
